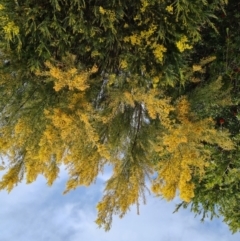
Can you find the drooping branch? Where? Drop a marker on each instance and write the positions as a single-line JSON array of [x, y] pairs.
[[137, 125]]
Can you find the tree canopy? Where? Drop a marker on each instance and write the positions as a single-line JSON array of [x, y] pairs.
[[149, 87]]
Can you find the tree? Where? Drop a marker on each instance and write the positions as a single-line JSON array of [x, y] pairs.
[[115, 83], [217, 192]]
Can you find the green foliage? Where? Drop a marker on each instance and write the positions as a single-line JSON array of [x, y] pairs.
[[132, 84], [217, 193], [136, 35]]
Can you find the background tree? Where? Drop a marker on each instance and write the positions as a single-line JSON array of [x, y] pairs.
[[217, 192]]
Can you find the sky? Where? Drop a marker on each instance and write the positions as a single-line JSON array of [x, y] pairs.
[[41, 213]]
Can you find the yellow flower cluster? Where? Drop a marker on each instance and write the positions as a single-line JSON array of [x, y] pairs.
[[158, 52], [170, 9], [61, 119], [129, 99], [20, 126], [87, 48], [146, 34], [94, 69], [145, 4], [133, 39], [186, 156], [155, 81], [155, 106], [61, 122], [185, 186], [172, 142], [183, 108], [143, 37], [22, 129], [183, 45], [146, 39], [207, 60], [102, 10], [197, 68], [109, 13], [176, 172], [10, 30], [71, 78], [121, 191], [95, 53], [123, 64]]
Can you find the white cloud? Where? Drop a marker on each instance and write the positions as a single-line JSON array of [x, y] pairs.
[[41, 213]]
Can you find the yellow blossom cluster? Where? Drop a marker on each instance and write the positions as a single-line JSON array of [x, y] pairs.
[[158, 52], [156, 107], [102, 10], [123, 64], [207, 60], [22, 129], [10, 30], [71, 78], [111, 15], [146, 39], [197, 68], [146, 34], [20, 126], [176, 174], [143, 37], [123, 189], [182, 154], [169, 8], [145, 4], [133, 39], [156, 80], [95, 53], [182, 44], [183, 108]]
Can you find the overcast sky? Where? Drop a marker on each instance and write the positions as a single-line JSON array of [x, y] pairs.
[[41, 213]]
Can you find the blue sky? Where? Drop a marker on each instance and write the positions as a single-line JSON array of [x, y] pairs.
[[41, 213]]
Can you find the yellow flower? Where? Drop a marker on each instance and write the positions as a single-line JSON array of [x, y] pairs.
[[197, 68], [102, 10], [126, 39], [111, 16], [170, 9], [94, 69], [182, 44], [10, 30], [123, 64], [144, 6], [95, 53], [158, 52], [135, 40], [155, 79]]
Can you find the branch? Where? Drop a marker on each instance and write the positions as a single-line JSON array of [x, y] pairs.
[[139, 121]]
